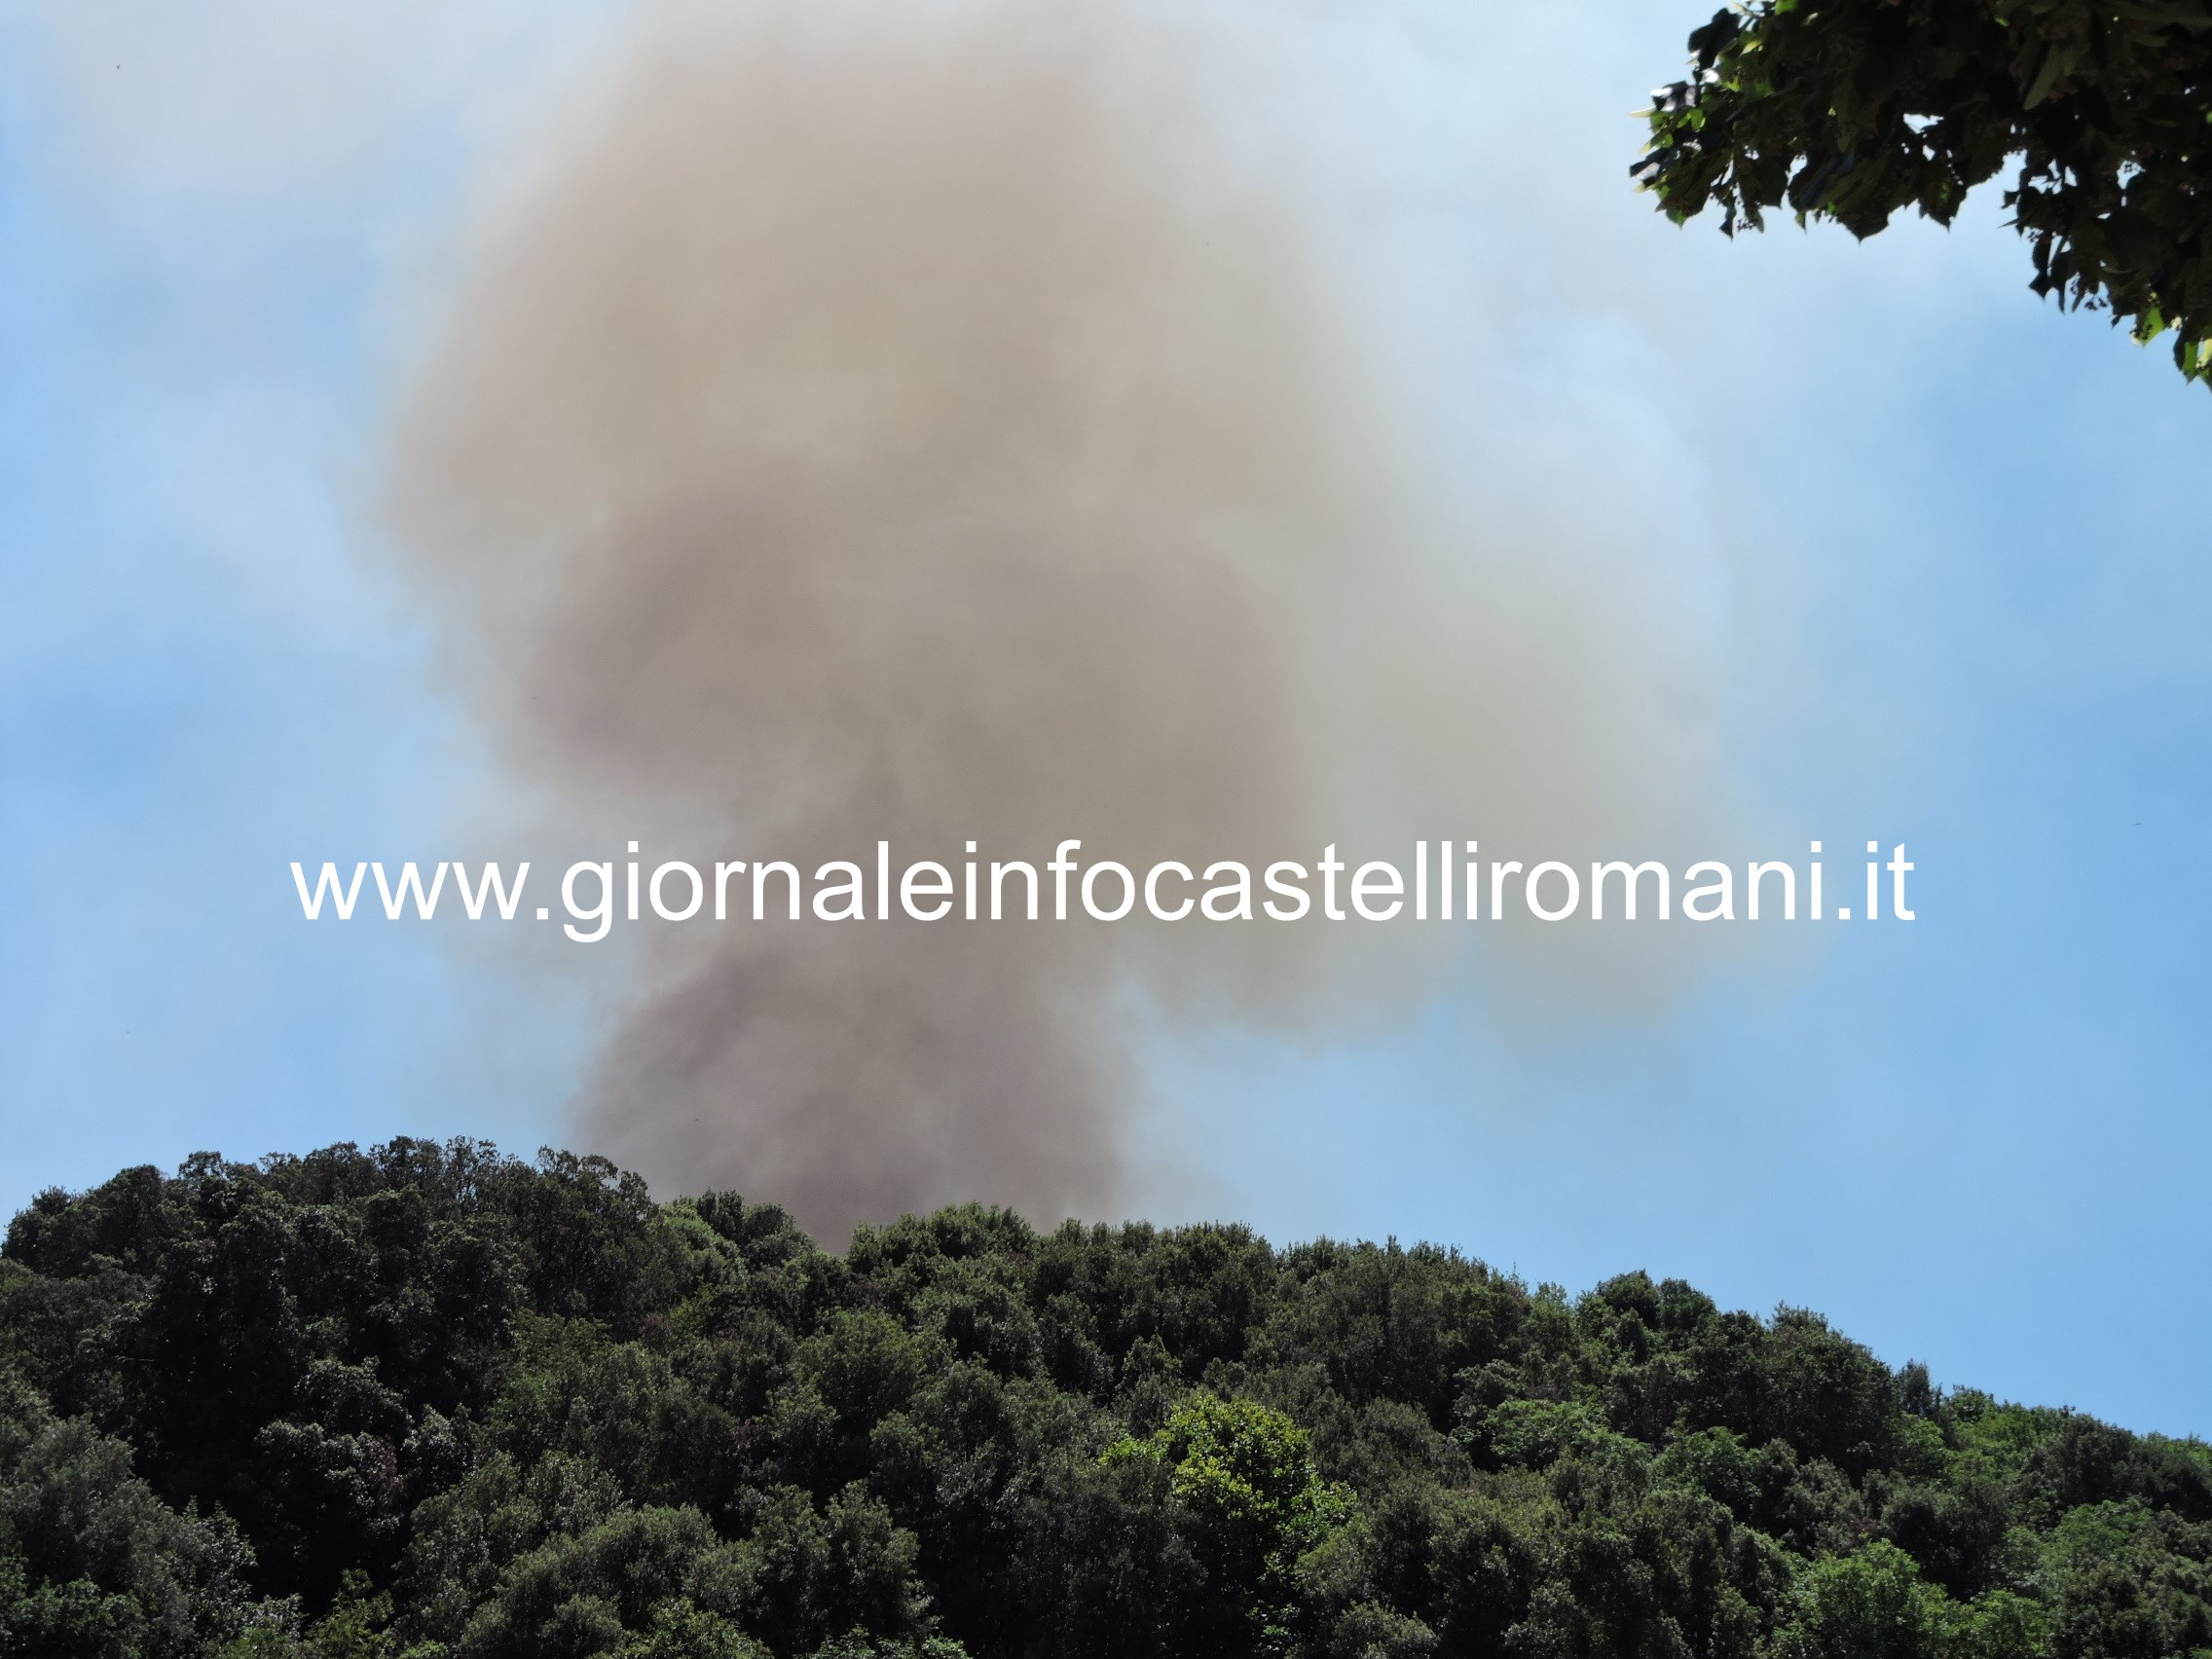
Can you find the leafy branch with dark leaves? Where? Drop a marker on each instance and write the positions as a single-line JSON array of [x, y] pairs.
[[1853, 110]]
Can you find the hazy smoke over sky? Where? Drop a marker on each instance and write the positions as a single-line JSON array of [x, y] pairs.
[[942, 421]]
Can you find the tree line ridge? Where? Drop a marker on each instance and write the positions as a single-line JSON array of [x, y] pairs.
[[433, 1401]]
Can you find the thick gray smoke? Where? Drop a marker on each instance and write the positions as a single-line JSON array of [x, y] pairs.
[[936, 421]]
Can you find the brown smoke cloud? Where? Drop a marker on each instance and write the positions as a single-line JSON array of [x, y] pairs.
[[943, 423]]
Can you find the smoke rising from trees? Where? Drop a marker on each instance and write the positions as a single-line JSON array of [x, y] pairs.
[[948, 423]]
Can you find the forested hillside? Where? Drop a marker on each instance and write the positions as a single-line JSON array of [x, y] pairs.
[[425, 1400]]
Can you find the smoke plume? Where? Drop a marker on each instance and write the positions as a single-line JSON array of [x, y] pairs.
[[944, 422]]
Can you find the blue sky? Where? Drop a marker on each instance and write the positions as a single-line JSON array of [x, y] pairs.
[[1959, 573]]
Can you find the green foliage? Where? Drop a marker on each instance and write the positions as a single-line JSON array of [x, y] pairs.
[[1250, 1504], [428, 1402], [1853, 110], [356, 1625], [1875, 1606], [683, 1632], [94, 1564]]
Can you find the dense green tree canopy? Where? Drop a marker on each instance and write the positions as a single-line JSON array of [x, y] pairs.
[[429, 1401], [1853, 110]]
